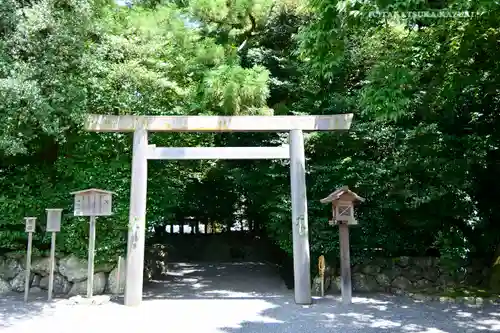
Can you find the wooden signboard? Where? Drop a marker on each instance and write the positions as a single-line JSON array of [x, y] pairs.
[[92, 202], [30, 226], [53, 226]]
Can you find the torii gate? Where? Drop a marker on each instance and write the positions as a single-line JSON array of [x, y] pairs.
[[141, 125]]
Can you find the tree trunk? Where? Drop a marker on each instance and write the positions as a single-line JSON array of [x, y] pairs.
[[495, 272]]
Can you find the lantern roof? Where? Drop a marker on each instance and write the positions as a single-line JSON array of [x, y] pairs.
[[342, 192]]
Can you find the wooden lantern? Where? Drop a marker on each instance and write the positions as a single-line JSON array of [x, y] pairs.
[[93, 202], [343, 215], [343, 205]]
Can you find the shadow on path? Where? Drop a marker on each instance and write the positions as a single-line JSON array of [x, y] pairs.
[[221, 280], [259, 302], [13, 308]]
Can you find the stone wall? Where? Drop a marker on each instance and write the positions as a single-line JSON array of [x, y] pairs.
[[70, 276], [376, 275], [403, 274]]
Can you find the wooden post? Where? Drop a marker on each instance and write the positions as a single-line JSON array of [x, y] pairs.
[[28, 267], [137, 218], [321, 270], [345, 264], [53, 226], [301, 257], [90, 267], [322, 285], [52, 265]]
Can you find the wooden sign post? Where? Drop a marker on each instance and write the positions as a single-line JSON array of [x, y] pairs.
[[343, 215], [321, 269], [92, 202], [53, 226], [30, 229]]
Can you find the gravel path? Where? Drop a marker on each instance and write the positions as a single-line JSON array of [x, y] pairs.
[[239, 298]]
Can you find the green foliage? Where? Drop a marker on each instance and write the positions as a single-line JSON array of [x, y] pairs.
[[236, 90], [61, 61], [454, 250], [43, 71], [422, 83]]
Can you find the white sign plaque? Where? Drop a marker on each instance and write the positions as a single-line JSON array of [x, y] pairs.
[[105, 204], [78, 204], [30, 224], [54, 219], [93, 202]]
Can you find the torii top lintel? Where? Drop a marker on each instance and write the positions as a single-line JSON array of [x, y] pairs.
[[128, 123]]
